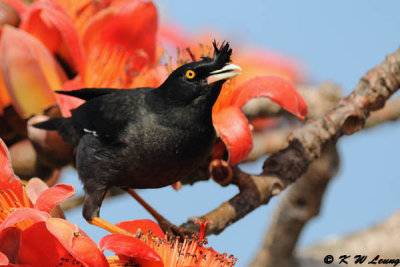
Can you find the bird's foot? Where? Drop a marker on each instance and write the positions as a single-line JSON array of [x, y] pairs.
[[108, 226], [167, 227], [173, 230]]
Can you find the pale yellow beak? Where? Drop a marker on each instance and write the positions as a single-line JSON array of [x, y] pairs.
[[227, 72]]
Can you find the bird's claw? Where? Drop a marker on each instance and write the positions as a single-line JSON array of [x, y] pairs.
[[173, 230]]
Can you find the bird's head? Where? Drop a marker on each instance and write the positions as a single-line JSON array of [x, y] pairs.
[[201, 80]]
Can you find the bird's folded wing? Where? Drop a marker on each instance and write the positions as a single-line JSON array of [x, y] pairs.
[[88, 93], [107, 112]]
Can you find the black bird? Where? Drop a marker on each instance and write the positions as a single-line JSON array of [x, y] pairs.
[[144, 137]]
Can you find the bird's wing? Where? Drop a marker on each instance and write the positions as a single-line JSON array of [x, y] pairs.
[[88, 93], [108, 114]]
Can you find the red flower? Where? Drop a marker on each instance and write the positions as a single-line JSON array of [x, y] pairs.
[[48, 241], [13, 194], [231, 124], [48, 22], [107, 44], [28, 235], [112, 43], [120, 47], [29, 71], [150, 248]]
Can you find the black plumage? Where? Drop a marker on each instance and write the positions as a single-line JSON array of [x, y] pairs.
[[144, 137]]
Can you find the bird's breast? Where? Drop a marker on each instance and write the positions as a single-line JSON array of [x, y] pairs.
[[158, 155]]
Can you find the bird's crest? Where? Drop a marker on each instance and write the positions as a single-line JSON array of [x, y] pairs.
[[222, 55]]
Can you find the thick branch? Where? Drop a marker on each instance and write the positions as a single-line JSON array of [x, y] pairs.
[[307, 143], [303, 200]]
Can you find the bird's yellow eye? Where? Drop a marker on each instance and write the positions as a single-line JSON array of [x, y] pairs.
[[190, 74]]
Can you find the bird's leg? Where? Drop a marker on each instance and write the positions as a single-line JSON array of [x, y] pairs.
[[165, 225], [91, 210], [99, 222]]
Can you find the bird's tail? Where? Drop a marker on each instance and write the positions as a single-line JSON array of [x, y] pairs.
[[50, 125], [64, 127]]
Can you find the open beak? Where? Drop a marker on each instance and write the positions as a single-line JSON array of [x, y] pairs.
[[227, 72]]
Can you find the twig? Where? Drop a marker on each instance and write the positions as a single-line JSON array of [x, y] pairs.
[[306, 144]]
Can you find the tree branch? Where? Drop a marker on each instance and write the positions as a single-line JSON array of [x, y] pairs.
[[306, 144], [303, 200], [300, 204], [390, 112]]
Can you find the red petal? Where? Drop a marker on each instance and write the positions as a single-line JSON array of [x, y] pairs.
[[9, 244], [233, 128], [4, 97], [144, 225], [5, 162], [40, 248], [129, 246], [120, 42], [8, 180], [68, 103], [129, 24], [34, 188], [29, 71], [277, 89], [54, 196], [22, 214], [80, 11], [77, 242], [57, 242], [3, 259], [48, 22]]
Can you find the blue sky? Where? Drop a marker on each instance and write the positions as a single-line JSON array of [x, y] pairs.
[[336, 40]]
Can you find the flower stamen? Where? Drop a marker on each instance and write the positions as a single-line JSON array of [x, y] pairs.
[[187, 253], [203, 226], [9, 202]]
